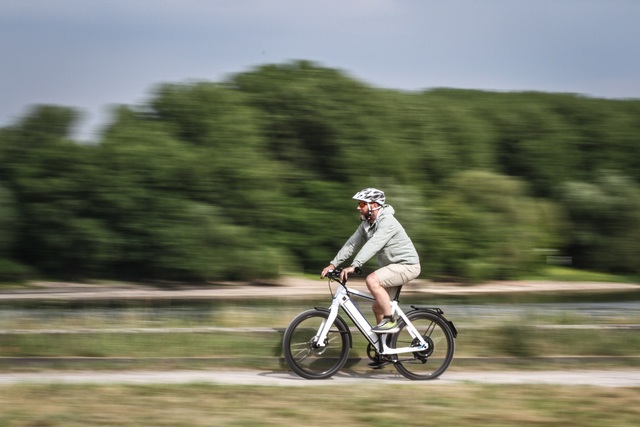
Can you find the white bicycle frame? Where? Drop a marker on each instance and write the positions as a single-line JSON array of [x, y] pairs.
[[342, 299]]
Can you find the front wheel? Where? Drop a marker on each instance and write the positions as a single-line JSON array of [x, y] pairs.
[[305, 355], [429, 363]]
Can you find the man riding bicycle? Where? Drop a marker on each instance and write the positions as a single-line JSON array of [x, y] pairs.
[[381, 235]]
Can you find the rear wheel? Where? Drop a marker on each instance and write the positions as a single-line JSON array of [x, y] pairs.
[[428, 363], [305, 355]]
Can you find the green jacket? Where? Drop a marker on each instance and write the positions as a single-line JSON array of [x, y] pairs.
[[385, 238]]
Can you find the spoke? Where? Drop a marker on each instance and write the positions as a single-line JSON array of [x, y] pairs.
[[304, 352], [429, 330]]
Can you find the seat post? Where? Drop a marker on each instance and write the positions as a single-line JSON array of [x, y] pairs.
[[394, 293]]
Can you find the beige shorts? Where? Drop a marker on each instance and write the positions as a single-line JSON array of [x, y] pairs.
[[397, 274]]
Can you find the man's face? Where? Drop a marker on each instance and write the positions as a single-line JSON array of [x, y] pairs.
[[363, 208]]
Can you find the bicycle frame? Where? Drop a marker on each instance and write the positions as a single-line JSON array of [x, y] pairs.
[[342, 299]]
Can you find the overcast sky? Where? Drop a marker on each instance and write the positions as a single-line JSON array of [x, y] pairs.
[[92, 54]]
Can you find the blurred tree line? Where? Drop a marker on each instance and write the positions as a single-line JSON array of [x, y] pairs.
[[252, 178]]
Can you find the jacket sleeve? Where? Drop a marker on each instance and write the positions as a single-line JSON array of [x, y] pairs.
[[384, 233], [355, 241]]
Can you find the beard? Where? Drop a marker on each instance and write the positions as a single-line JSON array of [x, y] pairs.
[[366, 217]]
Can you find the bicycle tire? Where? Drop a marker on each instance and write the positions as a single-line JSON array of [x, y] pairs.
[[309, 360], [432, 362]]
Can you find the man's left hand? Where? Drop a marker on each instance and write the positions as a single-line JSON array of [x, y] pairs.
[[345, 272]]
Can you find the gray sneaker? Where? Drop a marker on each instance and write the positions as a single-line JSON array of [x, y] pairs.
[[387, 326]]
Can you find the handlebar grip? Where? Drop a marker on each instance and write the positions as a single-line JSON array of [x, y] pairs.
[[335, 273]]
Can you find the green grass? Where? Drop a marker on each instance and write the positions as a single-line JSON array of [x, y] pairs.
[[508, 338], [355, 405]]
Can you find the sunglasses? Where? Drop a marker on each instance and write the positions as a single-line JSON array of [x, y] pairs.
[[362, 204]]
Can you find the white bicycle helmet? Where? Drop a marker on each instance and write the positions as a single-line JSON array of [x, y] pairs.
[[371, 195]]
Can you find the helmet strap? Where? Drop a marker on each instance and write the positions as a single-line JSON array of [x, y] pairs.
[[370, 211]]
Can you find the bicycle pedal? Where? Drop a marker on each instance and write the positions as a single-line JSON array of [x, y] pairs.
[[379, 364]]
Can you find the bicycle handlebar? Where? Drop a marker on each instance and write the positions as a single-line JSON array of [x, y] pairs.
[[335, 274]]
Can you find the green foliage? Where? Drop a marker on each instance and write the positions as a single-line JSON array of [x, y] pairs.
[[486, 227], [8, 220], [605, 223], [12, 272], [253, 177]]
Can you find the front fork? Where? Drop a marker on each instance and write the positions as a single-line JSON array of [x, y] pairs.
[[320, 339]]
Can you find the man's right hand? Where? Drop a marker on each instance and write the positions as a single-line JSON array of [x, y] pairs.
[[326, 270]]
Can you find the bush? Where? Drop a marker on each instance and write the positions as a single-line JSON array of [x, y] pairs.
[[11, 271]]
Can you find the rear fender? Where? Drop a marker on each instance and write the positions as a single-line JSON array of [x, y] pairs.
[[438, 312]]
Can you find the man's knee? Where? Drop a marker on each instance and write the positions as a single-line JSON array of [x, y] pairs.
[[372, 281]]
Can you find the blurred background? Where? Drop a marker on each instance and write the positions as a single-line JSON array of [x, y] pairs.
[[252, 178], [239, 166]]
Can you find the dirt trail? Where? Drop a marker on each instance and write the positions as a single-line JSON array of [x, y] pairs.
[[600, 378]]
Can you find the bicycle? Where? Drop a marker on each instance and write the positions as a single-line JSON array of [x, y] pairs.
[[317, 342]]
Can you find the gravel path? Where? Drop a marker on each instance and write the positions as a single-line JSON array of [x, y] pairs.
[[600, 378]]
